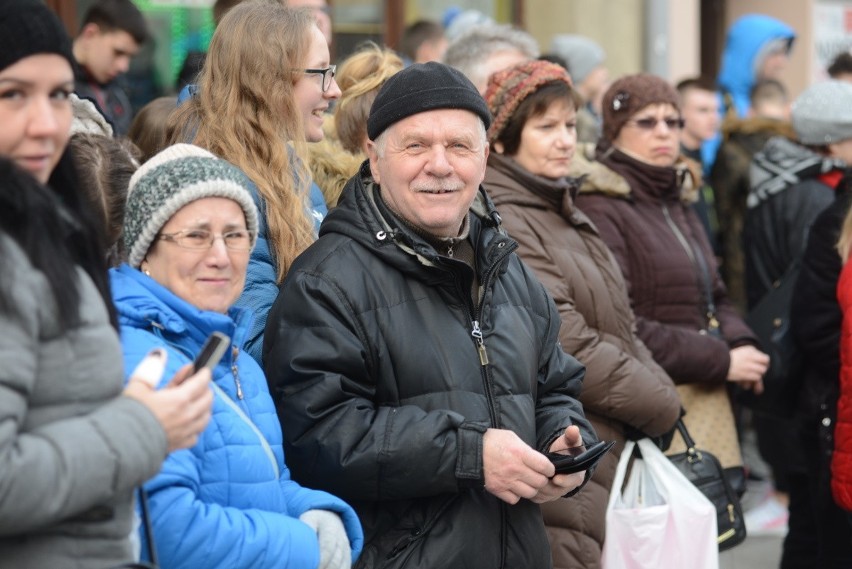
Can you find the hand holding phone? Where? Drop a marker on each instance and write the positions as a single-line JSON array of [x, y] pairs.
[[577, 459], [211, 352]]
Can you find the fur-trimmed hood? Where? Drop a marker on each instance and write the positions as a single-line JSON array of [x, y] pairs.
[[595, 177]]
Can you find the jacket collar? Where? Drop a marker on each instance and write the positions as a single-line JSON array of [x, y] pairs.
[[142, 302]]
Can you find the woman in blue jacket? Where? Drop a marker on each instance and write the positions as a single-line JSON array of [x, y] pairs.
[[228, 501]]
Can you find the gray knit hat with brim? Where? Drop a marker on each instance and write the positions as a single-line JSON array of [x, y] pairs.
[[822, 114], [175, 177]]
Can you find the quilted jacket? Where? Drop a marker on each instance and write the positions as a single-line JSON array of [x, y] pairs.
[[229, 501]]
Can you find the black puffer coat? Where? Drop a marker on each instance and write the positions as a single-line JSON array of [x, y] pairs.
[[385, 390]]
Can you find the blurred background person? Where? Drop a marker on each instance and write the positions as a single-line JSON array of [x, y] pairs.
[[792, 183], [841, 461], [757, 47], [532, 142], [841, 67], [423, 41], [585, 60], [699, 107], [111, 34], [149, 128], [486, 49], [742, 138]]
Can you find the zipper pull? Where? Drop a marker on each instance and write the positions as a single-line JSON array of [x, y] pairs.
[[477, 333], [235, 353], [712, 323]]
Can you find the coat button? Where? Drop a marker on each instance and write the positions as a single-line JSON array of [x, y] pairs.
[[826, 422]]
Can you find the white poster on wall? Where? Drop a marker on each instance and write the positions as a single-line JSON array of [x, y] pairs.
[[832, 34]]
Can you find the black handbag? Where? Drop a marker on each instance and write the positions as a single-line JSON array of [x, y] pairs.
[[770, 321], [705, 472]]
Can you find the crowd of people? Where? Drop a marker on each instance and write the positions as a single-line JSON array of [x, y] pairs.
[[433, 268]]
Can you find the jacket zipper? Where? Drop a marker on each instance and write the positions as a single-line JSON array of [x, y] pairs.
[[712, 322], [235, 352]]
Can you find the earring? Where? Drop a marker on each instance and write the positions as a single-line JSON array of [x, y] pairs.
[[146, 272]]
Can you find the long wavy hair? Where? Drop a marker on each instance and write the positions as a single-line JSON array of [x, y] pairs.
[[245, 111]]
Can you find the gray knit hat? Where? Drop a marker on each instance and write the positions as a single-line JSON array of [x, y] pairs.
[[823, 113], [175, 177], [580, 53]]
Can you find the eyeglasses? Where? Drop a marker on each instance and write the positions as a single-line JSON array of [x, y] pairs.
[[650, 123], [327, 75], [199, 239]]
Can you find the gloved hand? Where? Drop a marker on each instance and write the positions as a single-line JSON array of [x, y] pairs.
[[333, 541]]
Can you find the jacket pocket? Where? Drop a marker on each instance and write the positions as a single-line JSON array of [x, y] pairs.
[[394, 548]]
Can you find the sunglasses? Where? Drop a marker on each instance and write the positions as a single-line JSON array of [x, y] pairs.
[[650, 123]]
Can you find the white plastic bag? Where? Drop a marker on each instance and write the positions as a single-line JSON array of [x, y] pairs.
[[660, 520]]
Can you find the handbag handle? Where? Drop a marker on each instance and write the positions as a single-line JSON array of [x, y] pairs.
[[687, 439]]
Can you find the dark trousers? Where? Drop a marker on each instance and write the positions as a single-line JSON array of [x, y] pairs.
[[820, 533]]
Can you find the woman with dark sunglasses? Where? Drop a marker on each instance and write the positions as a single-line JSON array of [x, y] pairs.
[[638, 192]]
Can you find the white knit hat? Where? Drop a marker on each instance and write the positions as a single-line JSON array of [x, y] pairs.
[[822, 114], [171, 179]]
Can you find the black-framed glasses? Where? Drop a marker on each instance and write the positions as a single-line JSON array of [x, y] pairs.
[[198, 239], [327, 75], [650, 123]]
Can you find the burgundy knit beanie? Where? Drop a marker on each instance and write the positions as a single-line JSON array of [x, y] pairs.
[[631, 94], [507, 89]]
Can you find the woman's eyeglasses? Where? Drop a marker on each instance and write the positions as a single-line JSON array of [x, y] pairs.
[[327, 75], [650, 123], [239, 240]]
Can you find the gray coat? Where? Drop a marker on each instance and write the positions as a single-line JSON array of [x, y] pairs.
[[71, 448]]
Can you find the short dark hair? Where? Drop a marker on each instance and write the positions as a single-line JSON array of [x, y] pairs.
[[534, 105], [115, 15], [701, 83], [841, 64], [416, 35], [768, 90]]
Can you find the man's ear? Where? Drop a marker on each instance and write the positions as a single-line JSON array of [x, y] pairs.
[[374, 157], [90, 30]]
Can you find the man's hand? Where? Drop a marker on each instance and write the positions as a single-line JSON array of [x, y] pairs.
[[513, 469], [561, 484]]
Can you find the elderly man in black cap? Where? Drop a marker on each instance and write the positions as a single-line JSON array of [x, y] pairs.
[[414, 359]]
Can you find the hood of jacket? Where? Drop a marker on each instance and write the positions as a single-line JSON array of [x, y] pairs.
[[744, 41], [144, 303], [596, 177], [504, 176], [783, 163]]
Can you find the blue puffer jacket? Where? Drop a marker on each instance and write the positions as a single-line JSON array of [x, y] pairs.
[[737, 75], [228, 502], [261, 288]]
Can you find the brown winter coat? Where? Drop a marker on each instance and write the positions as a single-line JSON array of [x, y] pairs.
[[664, 284], [623, 385]]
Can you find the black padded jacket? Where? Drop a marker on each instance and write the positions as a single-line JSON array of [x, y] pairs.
[[386, 376]]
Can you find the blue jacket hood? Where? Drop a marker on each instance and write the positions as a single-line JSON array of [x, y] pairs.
[[745, 38]]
